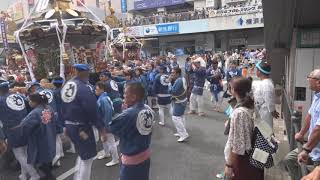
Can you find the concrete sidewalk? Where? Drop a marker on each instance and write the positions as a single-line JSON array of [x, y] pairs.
[[276, 173]]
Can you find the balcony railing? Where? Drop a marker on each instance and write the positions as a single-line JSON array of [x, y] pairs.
[[191, 15]]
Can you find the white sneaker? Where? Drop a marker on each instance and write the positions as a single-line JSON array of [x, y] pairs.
[[57, 164], [161, 123], [35, 177], [23, 177], [183, 139], [112, 163], [103, 156], [71, 151], [176, 134]]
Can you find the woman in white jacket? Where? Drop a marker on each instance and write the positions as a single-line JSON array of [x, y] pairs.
[[264, 94]]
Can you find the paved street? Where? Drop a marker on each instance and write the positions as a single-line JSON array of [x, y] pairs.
[[198, 159]]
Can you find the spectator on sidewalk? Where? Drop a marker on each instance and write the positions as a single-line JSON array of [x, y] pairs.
[[311, 149], [264, 94], [238, 146]]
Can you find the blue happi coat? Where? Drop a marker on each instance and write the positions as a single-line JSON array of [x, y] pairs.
[[199, 80], [151, 76], [12, 111], [134, 128], [233, 73], [50, 95], [161, 89], [105, 109], [40, 129], [113, 93], [179, 96], [215, 76], [79, 113]]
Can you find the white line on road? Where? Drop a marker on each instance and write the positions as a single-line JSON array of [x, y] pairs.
[[72, 170]]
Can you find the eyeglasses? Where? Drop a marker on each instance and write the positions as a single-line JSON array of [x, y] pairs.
[[309, 77]]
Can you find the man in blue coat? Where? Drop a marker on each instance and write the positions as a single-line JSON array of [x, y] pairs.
[[112, 91], [179, 98], [105, 112], [196, 98], [161, 89], [12, 111], [58, 82], [134, 128], [79, 110], [233, 71]]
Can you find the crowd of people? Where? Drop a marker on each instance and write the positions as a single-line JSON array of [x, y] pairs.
[[187, 15], [120, 103]]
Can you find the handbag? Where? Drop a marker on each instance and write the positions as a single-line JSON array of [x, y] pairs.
[[263, 149], [264, 145]]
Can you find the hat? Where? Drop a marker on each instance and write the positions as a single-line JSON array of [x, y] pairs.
[[4, 84], [57, 81], [106, 73], [81, 67], [264, 67]]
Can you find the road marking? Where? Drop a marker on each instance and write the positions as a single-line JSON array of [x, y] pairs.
[[73, 170], [66, 174]]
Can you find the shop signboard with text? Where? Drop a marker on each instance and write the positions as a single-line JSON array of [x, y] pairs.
[[161, 29]]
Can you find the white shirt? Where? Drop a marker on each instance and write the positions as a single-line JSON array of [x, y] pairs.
[[264, 99]]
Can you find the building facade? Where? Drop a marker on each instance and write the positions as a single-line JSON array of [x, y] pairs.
[[194, 26]]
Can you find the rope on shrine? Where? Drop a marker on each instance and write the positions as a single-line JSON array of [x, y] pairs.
[[17, 35], [108, 29]]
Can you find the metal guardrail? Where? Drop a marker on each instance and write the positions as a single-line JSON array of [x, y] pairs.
[[293, 120]]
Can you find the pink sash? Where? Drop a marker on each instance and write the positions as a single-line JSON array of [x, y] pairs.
[[135, 159]]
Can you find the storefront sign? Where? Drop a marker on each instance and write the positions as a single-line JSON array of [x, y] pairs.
[[210, 3], [235, 11], [237, 42], [147, 4], [236, 22], [162, 29], [135, 31], [200, 25]]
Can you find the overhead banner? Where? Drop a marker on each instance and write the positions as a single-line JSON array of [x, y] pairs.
[[4, 34], [162, 29], [123, 6], [235, 11], [147, 4], [210, 3]]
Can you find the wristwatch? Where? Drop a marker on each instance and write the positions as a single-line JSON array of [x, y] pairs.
[[306, 150]]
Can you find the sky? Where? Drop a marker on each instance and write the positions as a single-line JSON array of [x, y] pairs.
[[5, 3]]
